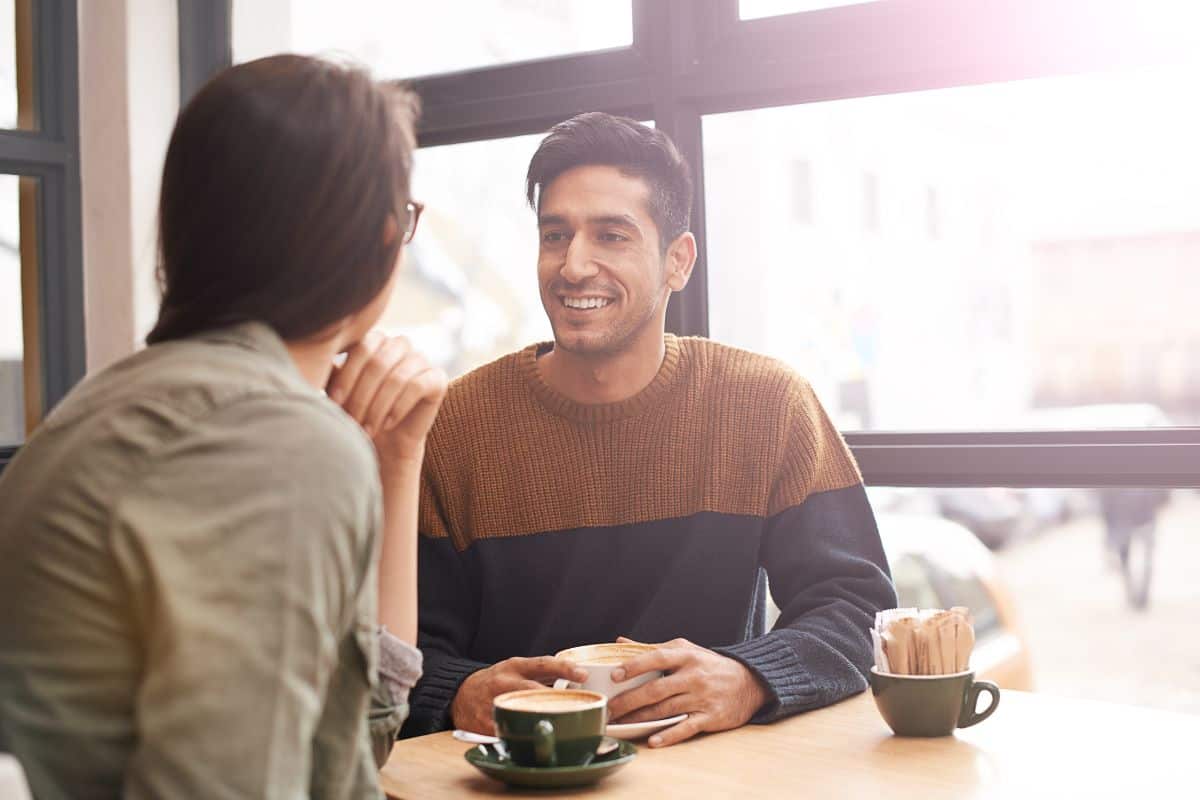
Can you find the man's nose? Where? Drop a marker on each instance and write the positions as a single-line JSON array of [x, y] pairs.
[[578, 265]]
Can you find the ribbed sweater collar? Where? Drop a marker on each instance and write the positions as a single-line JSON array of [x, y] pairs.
[[655, 393]]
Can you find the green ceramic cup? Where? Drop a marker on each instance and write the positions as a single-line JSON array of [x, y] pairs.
[[551, 727], [931, 705]]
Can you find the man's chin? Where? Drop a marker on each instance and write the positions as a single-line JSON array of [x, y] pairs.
[[583, 343]]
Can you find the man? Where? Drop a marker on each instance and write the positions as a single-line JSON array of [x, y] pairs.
[[625, 482]]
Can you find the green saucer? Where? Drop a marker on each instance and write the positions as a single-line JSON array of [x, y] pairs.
[[485, 759]]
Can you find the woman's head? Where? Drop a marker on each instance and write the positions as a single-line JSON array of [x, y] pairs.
[[285, 197]]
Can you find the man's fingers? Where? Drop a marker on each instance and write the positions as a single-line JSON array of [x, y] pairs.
[[477, 717], [526, 684], [677, 733], [671, 707], [666, 659], [549, 667], [627, 640], [647, 694]]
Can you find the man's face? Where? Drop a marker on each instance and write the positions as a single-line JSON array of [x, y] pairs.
[[602, 273]]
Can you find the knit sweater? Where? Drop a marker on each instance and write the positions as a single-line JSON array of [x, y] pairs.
[[547, 523]]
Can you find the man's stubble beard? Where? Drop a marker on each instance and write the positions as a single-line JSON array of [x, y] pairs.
[[616, 343]]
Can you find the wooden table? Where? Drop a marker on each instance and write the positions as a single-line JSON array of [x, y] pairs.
[[1034, 746]]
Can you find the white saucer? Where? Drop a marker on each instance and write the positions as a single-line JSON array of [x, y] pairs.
[[640, 730]]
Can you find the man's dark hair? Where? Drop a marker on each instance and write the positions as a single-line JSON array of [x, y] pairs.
[[279, 183], [635, 149]]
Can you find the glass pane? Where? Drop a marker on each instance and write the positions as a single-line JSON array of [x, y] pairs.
[[12, 351], [407, 39], [1006, 256], [468, 292], [756, 9], [1079, 592], [8, 64]]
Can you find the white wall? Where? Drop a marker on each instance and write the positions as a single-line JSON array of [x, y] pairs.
[[261, 28], [129, 96]]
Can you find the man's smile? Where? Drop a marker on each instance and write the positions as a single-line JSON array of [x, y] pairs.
[[586, 303]]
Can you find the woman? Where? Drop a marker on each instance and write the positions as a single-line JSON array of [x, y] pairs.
[[197, 547]]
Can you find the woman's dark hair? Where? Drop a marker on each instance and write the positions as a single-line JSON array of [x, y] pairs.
[[279, 184], [635, 149]]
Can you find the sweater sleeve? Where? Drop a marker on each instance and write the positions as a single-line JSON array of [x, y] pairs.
[[826, 569], [448, 611]]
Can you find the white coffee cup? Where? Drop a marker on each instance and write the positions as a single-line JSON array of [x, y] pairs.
[[600, 660]]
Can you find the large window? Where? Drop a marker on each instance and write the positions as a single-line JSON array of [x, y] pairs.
[[1012, 255], [410, 38], [9, 117], [12, 316], [41, 283], [968, 223]]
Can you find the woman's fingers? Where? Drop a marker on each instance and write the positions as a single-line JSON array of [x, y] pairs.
[[373, 374], [417, 406], [391, 388], [343, 378]]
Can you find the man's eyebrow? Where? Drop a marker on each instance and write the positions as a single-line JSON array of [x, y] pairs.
[[615, 219], [600, 219]]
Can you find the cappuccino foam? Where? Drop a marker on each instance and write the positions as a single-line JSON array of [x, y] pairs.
[[605, 654], [550, 701]]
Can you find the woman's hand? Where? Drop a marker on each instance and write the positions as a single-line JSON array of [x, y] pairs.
[[393, 392]]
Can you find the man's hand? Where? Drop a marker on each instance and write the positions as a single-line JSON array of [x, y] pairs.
[[472, 706], [716, 692], [393, 392]]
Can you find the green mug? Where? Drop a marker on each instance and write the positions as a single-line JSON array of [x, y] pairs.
[[551, 727], [931, 705]]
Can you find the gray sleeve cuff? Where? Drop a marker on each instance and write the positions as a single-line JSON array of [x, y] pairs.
[[399, 666], [821, 677]]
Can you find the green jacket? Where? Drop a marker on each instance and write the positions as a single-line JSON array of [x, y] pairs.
[[188, 550]]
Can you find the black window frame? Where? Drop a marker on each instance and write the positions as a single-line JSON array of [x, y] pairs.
[[690, 58], [50, 154]]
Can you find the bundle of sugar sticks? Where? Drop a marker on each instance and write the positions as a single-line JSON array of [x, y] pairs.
[[928, 641]]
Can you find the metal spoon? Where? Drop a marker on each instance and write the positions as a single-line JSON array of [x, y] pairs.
[[470, 737], [474, 738]]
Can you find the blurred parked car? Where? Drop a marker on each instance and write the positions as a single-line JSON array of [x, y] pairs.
[[937, 563], [995, 514]]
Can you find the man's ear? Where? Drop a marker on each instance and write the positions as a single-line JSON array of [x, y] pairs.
[[681, 259]]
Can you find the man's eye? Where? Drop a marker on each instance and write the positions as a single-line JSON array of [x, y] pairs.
[[613, 237], [553, 237]]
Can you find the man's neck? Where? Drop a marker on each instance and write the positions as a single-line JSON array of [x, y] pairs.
[[607, 378]]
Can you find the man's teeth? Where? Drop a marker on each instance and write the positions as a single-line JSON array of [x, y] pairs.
[[586, 302]]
